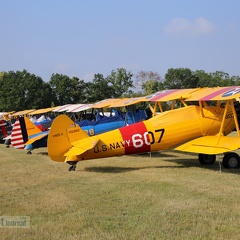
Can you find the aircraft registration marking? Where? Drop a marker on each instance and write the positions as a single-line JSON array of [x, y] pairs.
[[135, 144], [57, 135], [90, 132], [112, 146], [134, 135]]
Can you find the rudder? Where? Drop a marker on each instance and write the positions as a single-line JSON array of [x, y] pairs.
[[19, 134], [62, 133]]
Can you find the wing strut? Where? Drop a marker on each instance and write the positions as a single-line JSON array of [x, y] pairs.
[[229, 102], [235, 117]]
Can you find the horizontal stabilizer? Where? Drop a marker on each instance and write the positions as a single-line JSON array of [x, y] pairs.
[[38, 137], [81, 146], [8, 137], [211, 145]]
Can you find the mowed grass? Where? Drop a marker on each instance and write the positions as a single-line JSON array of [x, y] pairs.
[[167, 195]]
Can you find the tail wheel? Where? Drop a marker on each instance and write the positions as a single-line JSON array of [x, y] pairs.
[[206, 159], [231, 160]]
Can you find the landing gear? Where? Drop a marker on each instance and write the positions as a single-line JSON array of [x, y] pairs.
[[73, 166], [206, 159], [7, 143], [29, 152], [231, 160]]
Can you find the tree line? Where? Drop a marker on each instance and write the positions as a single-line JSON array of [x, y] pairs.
[[22, 90]]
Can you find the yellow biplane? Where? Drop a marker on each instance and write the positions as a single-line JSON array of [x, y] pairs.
[[199, 128]]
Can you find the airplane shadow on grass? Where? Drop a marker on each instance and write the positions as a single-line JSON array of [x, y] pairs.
[[112, 169], [181, 163], [190, 161], [43, 153]]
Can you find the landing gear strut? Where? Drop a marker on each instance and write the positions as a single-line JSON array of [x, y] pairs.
[[73, 166], [206, 159]]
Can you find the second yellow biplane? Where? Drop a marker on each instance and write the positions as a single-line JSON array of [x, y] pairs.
[[199, 128]]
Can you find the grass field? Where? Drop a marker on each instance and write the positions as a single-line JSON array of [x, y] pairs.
[[166, 196]]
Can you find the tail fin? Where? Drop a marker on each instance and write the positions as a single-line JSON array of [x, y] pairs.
[[31, 128], [22, 129], [63, 133], [19, 134]]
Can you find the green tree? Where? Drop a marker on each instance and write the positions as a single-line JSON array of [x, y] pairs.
[[235, 80], [152, 86], [67, 90], [179, 78], [148, 81], [205, 79], [120, 82], [2, 74], [98, 89], [220, 78], [22, 90]]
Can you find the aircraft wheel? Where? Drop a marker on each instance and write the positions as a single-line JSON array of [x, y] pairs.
[[7, 146], [231, 160], [29, 152], [206, 159]]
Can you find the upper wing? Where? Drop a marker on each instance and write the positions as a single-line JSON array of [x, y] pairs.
[[21, 113], [62, 108], [79, 107], [211, 145], [104, 103], [127, 101], [196, 94], [171, 94], [215, 93], [41, 111]]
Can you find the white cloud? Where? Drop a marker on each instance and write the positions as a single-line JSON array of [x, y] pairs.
[[197, 27]]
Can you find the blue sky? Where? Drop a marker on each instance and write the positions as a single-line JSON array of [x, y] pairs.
[[81, 38]]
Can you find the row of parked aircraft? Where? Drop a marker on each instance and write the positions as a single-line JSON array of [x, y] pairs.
[[28, 132], [201, 125]]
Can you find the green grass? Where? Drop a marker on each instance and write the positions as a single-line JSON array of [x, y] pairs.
[[166, 196]]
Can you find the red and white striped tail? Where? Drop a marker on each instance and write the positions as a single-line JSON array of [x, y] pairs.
[[17, 136]]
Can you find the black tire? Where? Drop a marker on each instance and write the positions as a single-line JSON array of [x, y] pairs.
[[206, 159], [231, 160]]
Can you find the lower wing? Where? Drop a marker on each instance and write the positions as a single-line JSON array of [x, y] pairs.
[[211, 145]]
